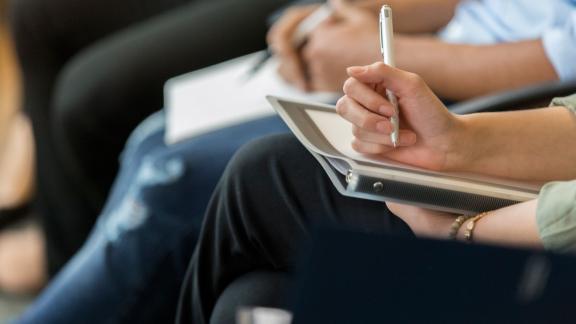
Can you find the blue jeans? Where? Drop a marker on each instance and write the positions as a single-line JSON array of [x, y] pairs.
[[132, 266]]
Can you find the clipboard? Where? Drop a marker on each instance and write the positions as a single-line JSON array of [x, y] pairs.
[[328, 136]]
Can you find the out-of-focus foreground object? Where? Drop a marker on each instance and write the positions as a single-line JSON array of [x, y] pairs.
[[16, 150]]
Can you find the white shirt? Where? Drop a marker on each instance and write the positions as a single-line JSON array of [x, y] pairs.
[[496, 21]]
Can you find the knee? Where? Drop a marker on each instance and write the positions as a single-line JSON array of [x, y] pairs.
[[87, 99], [260, 160], [79, 92], [102, 89], [260, 154]]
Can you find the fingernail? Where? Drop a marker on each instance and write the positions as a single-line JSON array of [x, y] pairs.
[[410, 139], [356, 69], [383, 127], [384, 110]]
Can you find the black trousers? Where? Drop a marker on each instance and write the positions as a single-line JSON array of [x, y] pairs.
[[92, 70], [270, 196]]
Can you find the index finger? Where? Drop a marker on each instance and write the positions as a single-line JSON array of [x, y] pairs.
[[368, 97], [402, 83], [281, 33]]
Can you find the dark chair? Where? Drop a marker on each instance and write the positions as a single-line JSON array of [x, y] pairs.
[[534, 96], [351, 278]]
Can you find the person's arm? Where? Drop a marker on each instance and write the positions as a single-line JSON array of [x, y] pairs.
[[417, 16], [515, 225], [459, 72], [549, 222], [536, 145], [527, 145], [411, 16]]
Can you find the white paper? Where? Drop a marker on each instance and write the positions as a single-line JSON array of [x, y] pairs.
[[226, 94], [338, 132]]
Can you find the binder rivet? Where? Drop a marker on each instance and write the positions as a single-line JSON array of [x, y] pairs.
[[349, 176], [378, 186]]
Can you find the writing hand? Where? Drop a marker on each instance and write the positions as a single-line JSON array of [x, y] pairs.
[[430, 137], [280, 40], [349, 38]]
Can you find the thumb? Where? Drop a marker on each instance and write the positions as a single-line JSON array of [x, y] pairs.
[[400, 82], [344, 9]]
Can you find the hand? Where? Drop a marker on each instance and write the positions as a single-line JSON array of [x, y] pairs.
[[350, 38], [430, 137], [424, 222], [280, 42]]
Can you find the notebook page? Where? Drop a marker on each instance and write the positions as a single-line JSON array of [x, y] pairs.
[[338, 132], [226, 94]]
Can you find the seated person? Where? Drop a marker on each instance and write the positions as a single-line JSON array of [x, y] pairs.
[[273, 191], [186, 213], [495, 41], [131, 268], [91, 73]]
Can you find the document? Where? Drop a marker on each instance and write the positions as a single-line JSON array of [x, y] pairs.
[[227, 94], [328, 137]]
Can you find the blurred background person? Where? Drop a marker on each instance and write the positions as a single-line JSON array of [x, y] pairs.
[[93, 70]]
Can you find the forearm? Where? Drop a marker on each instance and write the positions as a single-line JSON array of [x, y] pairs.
[[422, 16], [514, 226], [459, 72], [417, 16], [533, 145]]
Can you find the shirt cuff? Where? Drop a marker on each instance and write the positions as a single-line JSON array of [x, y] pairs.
[[568, 102], [560, 46], [556, 216]]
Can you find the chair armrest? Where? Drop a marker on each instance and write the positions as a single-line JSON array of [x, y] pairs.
[[534, 96]]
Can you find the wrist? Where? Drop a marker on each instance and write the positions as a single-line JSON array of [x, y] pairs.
[[463, 146], [437, 224]]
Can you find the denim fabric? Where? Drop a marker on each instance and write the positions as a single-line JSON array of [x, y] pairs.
[[131, 268]]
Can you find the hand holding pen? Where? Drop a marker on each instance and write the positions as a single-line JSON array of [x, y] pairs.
[[289, 34], [430, 133], [346, 38]]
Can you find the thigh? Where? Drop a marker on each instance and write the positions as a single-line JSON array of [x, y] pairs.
[[107, 90], [131, 268], [270, 197], [288, 192], [69, 25]]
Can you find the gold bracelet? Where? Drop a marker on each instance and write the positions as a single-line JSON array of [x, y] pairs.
[[469, 234], [455, 227]]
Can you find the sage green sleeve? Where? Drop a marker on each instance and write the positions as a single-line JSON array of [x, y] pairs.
[[556, 216], [568, 102], [556, 212]]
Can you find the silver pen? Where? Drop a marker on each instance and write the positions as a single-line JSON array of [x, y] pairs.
[[387, 49]]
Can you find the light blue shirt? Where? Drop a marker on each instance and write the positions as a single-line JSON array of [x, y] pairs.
[[495, 21]]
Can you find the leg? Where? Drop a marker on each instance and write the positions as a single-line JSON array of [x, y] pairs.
[[106, 90], [272, 192], [131, 268]]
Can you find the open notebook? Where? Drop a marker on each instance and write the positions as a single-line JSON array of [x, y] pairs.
[[328, 136], [226, 94]]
